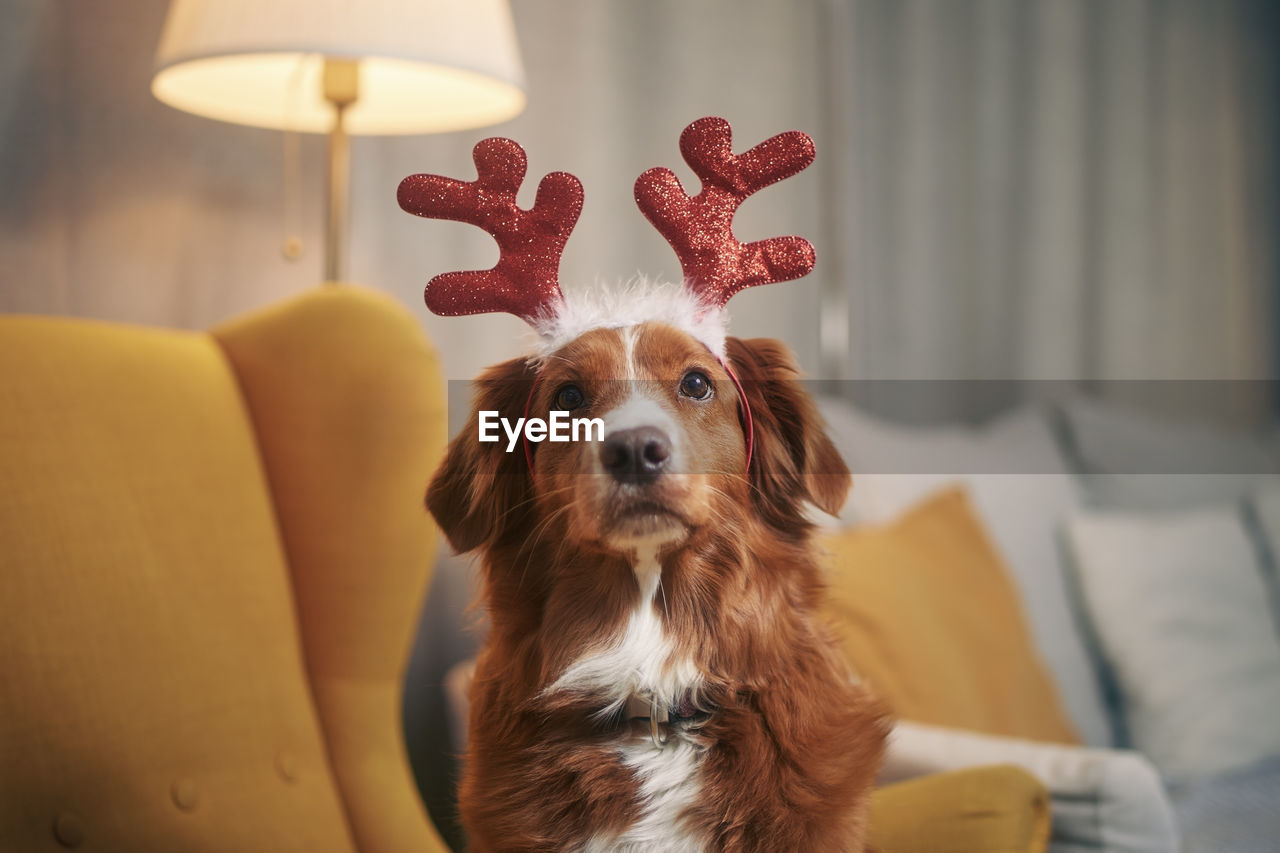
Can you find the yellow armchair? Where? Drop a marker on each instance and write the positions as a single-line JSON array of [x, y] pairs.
[[212, 552]]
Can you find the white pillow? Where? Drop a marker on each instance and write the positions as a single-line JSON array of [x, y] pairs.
[[1181, 614], [1021, 487], [1103, 799]]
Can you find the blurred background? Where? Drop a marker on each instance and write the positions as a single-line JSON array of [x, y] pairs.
[[1004, 189], [1079, 191]]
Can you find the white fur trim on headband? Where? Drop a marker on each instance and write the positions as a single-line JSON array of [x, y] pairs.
[[629, 304]]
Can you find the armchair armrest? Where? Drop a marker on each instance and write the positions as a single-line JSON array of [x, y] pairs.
[[997, 809], [1102, 799]]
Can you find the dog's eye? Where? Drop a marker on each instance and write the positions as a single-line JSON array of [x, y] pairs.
[[695, 385], [569, 398]]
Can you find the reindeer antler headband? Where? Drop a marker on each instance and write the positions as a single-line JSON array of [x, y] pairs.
[[525, 281], [700, 229]]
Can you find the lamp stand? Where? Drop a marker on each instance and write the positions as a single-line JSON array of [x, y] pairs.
[[341, 88]]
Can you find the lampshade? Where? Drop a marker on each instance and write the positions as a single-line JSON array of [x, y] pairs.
[[424, 65]]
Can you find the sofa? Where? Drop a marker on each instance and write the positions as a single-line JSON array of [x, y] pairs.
[[213, 553], [1083, 586], [1077, 588]]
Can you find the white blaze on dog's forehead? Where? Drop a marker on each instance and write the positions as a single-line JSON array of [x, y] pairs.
[[629, 336], [641, 404]]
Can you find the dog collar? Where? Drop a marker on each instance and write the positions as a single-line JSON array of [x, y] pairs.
[[660, 716]]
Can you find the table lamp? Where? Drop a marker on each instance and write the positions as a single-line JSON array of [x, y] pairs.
[[342, 67]]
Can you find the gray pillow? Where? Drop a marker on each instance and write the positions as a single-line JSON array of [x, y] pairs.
[[1132, 460]]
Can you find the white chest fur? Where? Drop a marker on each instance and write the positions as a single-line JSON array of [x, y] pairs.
[[670, 780], [642, 659]]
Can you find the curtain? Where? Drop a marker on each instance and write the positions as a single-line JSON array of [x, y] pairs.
[[1064, 189], [1005, 189]]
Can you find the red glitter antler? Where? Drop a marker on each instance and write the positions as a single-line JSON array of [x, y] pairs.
[[700, 228], [525, 281]]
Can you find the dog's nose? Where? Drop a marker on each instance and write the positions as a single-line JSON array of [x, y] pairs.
[[635, 455]]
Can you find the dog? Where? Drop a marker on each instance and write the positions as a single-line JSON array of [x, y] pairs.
[[657, 676]]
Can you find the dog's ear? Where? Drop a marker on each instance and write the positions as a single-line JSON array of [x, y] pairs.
[[479, 490], [794, 460]]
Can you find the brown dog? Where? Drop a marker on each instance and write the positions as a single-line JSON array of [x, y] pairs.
[[656, 676], [647, 568]]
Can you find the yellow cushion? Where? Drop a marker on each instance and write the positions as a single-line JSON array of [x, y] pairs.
[[927, 615], [154, 696], [998, 809], [348, 403]]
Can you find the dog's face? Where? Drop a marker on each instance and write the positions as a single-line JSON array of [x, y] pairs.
[[673, 446], [673, 459]]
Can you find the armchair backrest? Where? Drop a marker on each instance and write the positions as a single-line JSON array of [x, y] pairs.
[[208, 579]]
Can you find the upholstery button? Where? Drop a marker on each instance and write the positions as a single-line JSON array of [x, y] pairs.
[[287, 766], [68, 829], [186, 795]]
